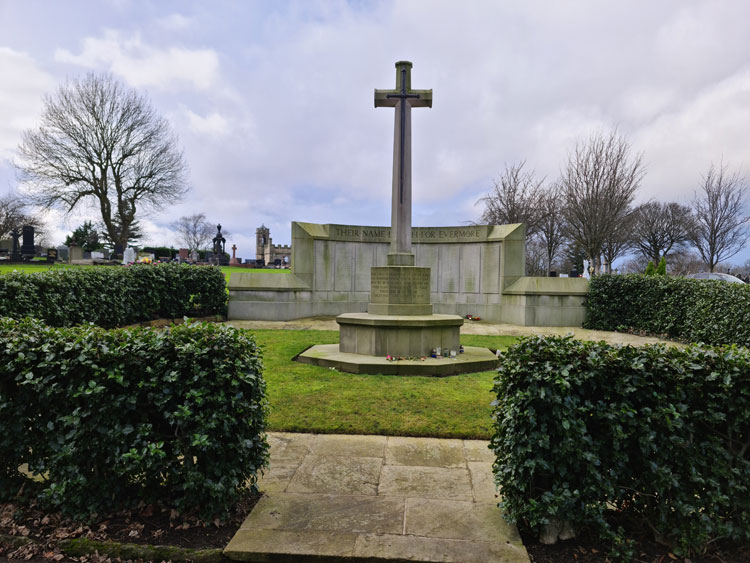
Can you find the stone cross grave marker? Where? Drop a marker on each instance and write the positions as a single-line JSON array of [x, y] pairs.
[[402, 98]]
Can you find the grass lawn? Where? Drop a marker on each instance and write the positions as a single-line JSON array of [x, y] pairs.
[[32, 267], [306, 398]]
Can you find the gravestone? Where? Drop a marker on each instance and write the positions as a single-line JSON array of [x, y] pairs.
[[62, 253], [27, 248], [234, 261], [194, 256], [183, 255], [75, 253], [51, 254], [129, 255], [97, 255]]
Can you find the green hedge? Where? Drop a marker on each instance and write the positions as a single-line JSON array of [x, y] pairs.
[[661, 433], [111, 296], [112, 418], [712, 312]]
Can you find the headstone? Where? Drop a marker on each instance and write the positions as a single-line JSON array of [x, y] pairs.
[[96, 255], [129, 256], [75, 252], [62, 253], [194, 256], [27, 248], [586, 266], [184, 255], [51, 254], [234, 255]]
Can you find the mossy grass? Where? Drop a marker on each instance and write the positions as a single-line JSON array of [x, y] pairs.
[[34, 267], [306, 398]]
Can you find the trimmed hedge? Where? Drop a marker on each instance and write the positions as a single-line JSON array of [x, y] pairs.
[[114, 296], [115, 417], [659, 432], [712, 312]]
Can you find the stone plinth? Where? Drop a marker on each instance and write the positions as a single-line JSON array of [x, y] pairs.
[[329, 356], [406, 336], [399, 290]]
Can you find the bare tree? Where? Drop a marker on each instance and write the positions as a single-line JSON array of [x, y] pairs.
[[195, 231], [552, 224], [103, 144], [515, 198], [598, 187], [720, 222], [536, 258], [659, 228], [617, 242], [14, 214]]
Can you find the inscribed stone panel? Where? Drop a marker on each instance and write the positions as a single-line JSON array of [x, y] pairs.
[[323, 265], [381, 254], [470, 268], [344, 266], [490, 257], [449, 266], [364, 259], [427, 257]]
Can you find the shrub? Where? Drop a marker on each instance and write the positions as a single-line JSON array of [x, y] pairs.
[[661, 269], [113, 296], [111, 418], [660, 433], [712, 312], [650, 270], [158, 251]]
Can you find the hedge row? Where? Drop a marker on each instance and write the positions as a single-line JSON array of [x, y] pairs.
[[112, 418], [712, 312], [114, 296], [661, 433]]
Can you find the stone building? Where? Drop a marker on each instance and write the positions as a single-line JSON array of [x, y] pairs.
[[267, 251]]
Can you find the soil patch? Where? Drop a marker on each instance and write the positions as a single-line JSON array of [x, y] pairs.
[[147, 525], [587, 548]]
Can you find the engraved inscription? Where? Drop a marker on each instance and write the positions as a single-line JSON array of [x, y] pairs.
[[418, 234], [400, 285]]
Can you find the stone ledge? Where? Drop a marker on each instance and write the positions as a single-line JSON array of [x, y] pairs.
[[403, 321], [327, 355]]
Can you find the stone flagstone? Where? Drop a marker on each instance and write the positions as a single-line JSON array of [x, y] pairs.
[[365, 498]]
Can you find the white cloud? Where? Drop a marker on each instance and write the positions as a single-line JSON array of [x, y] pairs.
[[175, 22], [213, 124], [143, 65], [20, 96]]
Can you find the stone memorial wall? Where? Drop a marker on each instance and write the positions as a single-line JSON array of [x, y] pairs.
[[473, 270]]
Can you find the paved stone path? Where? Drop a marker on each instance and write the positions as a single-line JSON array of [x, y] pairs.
[[470, 327], [377, 498]]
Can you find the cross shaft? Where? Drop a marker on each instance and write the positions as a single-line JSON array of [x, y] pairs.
[[402, 98]]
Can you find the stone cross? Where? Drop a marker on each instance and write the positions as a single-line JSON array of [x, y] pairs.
[[234, 251], [403, 98]]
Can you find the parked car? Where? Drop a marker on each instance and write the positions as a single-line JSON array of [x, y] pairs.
[[715, 276]]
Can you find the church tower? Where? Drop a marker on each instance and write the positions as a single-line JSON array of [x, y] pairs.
[[262, 243]]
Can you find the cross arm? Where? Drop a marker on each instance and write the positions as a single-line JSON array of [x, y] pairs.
[[417, 98]]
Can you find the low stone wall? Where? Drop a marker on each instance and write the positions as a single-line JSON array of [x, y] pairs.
[[471, 270]]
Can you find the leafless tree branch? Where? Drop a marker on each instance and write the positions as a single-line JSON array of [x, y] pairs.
[[515, 197]]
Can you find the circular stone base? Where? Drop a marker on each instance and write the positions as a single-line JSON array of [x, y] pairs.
[[328, 355], [398, 335]]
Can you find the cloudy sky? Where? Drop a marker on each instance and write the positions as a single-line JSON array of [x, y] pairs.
[[273, 101]]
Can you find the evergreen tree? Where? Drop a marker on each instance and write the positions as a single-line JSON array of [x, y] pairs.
[[661, 269], [650, 270]]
